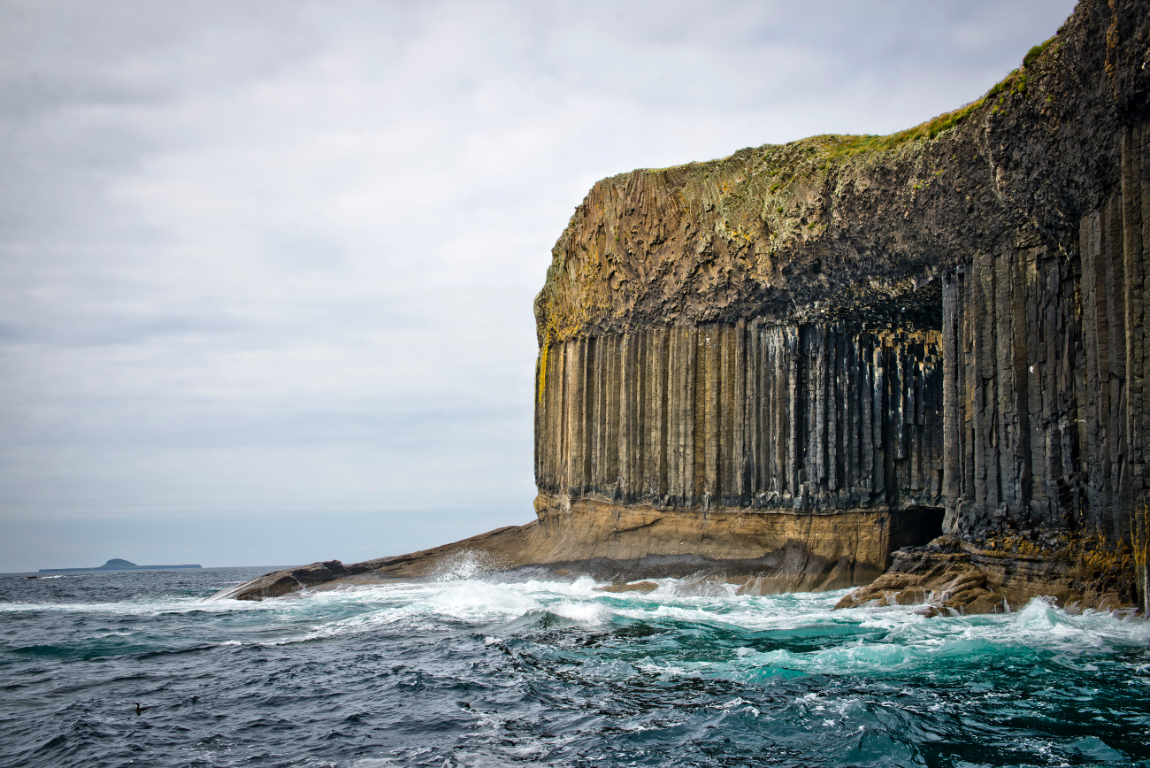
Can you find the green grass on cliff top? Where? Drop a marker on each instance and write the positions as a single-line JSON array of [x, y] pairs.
[[834, 146]]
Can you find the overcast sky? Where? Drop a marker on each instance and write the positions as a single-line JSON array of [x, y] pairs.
[[267, 268]]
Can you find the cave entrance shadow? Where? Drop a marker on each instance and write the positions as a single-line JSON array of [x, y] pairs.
[[915, 526]]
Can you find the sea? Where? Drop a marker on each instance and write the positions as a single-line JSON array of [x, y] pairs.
[[475, 669]]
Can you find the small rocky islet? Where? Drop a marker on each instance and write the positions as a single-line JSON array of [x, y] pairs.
[[914, 364], [119, 564]]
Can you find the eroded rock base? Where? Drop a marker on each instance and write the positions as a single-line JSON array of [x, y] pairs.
[[951, 577], [765, 552]]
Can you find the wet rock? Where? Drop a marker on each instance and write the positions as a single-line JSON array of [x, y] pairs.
[[280, 583], [642, 587], [969, 581]]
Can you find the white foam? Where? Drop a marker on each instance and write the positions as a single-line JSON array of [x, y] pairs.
[[142, 608], [891, 637], [909, 637], [587, 613]]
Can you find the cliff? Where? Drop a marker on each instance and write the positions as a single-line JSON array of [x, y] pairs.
[[786, 365]]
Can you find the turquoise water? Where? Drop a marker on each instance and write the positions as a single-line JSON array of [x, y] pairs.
[[473, 671]]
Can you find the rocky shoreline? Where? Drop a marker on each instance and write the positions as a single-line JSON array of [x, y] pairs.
[[952, 577], [945, 577], [764, 552]]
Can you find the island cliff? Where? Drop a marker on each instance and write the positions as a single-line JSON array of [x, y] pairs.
[[785, 366]]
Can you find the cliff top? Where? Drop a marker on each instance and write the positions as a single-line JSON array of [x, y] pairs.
[[832, 223]]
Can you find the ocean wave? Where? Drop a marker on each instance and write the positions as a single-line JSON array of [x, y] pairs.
[[881, 638], [560, 672]]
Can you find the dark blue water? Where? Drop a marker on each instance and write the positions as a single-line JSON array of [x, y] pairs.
[[470, 672]]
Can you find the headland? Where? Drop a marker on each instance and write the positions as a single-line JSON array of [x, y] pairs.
[[913, 363]]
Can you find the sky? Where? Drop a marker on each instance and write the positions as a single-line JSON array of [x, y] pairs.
[[267, 268]]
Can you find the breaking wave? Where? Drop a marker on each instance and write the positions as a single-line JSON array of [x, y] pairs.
[[473, 669]]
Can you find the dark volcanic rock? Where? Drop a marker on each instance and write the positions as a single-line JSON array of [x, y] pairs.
[[285, 582], [952, 317]]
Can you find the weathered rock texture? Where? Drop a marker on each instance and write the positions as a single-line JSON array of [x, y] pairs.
[[1045, 370], [759, 354], [950, 576], [618, 543], [810, 417]]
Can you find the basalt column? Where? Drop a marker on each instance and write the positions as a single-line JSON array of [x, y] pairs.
[[814, 418], [1045, 373]]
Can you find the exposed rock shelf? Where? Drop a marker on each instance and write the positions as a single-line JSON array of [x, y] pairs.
[[951, 576], [810, 353], [762, 553]]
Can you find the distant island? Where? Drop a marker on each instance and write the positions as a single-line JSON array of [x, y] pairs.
[[116, 564]]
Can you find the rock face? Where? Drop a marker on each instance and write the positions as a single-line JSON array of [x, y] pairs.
[[810, 418], [784, 365], [951, 318]]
